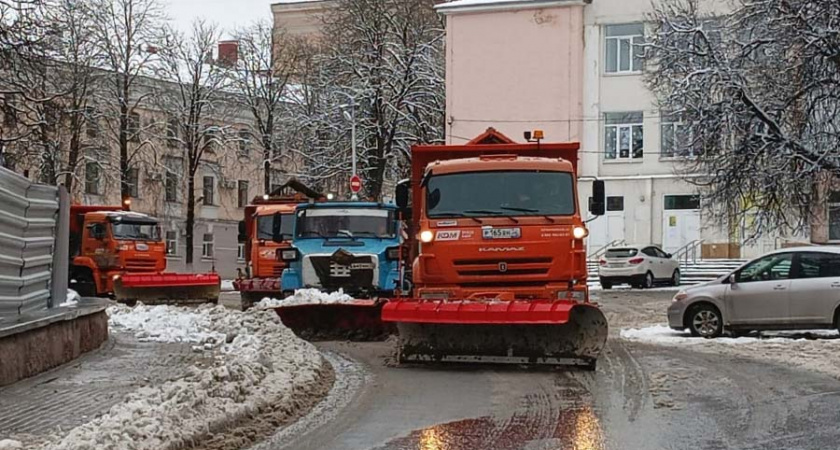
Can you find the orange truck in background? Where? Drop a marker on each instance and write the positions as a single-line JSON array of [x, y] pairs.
[[120, 253], [263, 266]]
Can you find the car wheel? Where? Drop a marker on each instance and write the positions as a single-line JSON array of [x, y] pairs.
[[705, 321], [648, 281], [606, 285], [675, 278]]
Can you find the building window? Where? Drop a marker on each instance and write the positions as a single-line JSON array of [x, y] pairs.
[[834, 216], [615, 203], [624, 51], [675, 137], [682, 202], [133, 129], [172, 243], [242, 192], [133, 181], [209, 190], [244, 142], [91, 123], [240, 251], [207, 246], [172, 132], [211, 139], [93, 178], [173, 168], [624, 135]]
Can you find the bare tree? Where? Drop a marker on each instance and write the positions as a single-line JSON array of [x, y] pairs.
[[195, 100], [758, 93], [382, 62], [266, 63], [126, 32]]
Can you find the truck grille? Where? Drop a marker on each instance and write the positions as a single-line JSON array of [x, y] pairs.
[[324, 272], [140, 265], [499, 267]]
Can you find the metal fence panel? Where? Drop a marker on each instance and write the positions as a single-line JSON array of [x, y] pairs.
[[30, 246]]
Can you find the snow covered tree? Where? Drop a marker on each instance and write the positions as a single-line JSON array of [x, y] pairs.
[[127, 32], [756, 92], [261, 76], [195, 102], [382, 63]]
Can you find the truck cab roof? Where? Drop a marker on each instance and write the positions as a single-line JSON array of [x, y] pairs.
[[491, 163]]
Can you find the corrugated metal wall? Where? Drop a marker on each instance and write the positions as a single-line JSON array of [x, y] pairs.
[[29, 216]]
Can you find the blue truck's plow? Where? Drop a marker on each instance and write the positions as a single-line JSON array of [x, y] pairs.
[[350, 248]]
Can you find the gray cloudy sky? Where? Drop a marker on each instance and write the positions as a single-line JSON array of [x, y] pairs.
[[227, 13]]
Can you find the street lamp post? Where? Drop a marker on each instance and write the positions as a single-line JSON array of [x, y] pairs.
[[352, 118]]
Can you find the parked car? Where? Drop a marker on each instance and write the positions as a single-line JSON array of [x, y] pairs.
[[640, 266], [796, 288]]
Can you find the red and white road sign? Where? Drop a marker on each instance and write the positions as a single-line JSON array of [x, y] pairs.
[[355, 184]]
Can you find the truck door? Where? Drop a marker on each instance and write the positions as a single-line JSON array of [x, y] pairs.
[[94, 242]]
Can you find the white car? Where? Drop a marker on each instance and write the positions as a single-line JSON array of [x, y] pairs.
[[641, 266]]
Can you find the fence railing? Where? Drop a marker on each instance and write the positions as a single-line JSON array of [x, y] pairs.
[[689, 253]]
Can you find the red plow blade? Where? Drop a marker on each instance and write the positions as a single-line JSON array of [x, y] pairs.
[[359, 320], [520, 331], [168, 288]]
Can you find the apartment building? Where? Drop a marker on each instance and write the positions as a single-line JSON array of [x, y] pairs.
[[571, 68]]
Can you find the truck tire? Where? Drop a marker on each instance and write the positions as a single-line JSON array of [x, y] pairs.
[[84, 284]]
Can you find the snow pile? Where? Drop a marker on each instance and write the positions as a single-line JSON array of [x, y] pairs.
[[227, 286], [164, 323], [262, 365], [72, 300], [307, 297], [816, 350], [9, 444]]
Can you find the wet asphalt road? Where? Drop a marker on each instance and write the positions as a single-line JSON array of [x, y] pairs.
[[641, 397]]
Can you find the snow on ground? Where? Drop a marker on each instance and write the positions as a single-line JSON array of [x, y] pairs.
[[9, 444], [817, 350], [72, 300], [227, 286], [307, 297], [261, 364]]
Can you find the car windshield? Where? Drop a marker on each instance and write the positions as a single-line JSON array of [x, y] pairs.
[[508, 193], [136, 231], [265, 227], [345, 223], [621, 253]]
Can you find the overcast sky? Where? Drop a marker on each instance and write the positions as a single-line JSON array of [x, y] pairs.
[[227, 13]]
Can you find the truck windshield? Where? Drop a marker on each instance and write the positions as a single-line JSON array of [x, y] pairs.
[[345, 223], [136, 231], [508, 193], [265, 226]]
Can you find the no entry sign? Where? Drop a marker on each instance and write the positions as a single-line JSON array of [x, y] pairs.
[[355, 184]]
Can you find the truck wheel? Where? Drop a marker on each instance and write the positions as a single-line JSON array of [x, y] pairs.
[[84, 285]]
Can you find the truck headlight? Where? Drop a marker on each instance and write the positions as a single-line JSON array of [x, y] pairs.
[[580, 232], [427, 236], [288, 254], [578, 296], [393, 253]]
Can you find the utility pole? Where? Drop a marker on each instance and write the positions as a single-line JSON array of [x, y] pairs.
[[352, 118]]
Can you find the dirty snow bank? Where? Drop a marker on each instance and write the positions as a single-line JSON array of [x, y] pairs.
[[71, 300], [262, 365], [307, 297], [9, 444], [816, 350]]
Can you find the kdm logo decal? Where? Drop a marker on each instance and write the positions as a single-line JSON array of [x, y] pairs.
[[448, 235]]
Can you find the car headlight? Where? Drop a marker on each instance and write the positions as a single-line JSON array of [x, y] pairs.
[[393, 253], [580, 232], [681, 295], [427, 236], [289, 255]]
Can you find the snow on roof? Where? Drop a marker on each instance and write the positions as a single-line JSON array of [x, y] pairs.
[[498, 5]]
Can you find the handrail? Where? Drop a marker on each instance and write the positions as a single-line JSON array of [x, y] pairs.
[[688, 252], [603, 249]]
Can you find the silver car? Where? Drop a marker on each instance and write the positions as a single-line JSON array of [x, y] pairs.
[[794, 288], [640, 266]]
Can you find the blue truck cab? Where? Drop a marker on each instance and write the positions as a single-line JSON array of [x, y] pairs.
[[352, 246]]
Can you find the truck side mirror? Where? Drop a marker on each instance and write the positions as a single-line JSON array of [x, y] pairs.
[[243, 234], [402, 198], [276, 227], [97, 231], [598, 202]]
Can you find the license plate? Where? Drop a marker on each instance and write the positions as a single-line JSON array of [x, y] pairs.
[[501, 233], [616, 264]]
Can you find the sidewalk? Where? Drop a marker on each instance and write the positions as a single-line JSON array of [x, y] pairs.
[[85, 388]]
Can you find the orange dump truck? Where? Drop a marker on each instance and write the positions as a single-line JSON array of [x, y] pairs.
[[498, 256], [121, 254]]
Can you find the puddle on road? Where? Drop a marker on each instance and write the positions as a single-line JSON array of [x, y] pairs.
[[574, 429]]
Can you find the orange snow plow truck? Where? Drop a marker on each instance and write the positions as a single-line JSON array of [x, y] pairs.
[[119, 253], [499, 261]]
